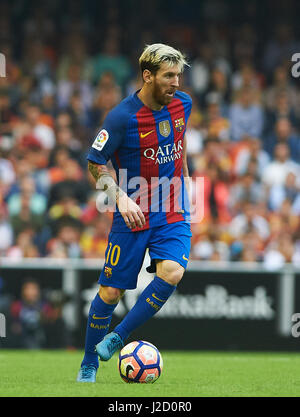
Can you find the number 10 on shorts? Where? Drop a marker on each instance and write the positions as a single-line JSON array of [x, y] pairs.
[[113, 254]]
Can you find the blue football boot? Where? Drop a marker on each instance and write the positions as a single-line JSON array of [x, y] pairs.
[[109, 345], [87, 373]]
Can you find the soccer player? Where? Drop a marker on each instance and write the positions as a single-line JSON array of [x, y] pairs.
[[143, 137]]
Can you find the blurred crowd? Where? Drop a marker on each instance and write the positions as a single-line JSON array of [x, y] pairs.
[[34, 317], [66, 67]]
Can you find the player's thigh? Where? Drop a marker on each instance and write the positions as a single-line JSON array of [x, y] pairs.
[[169, 247], [124, 257]]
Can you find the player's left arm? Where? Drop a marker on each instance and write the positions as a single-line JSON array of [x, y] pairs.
[[185, 169]]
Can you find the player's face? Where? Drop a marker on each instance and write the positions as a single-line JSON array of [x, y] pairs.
[[165, 83]]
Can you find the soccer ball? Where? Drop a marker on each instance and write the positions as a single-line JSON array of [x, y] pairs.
[[140, 362]]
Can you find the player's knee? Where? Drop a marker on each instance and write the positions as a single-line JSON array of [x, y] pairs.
[[110, 295], [170, 271], [173, 277]]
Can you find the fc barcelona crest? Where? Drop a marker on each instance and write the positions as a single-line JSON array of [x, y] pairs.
[[179, 124], [164, 128], [107, 272]]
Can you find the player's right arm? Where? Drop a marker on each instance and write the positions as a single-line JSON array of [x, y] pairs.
[[108, 140], [130, 211]]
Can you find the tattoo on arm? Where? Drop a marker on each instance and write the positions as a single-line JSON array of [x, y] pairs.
[[96, 170], [104, 181]]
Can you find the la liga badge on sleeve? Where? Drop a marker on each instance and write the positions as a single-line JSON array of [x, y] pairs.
[[100, 140]]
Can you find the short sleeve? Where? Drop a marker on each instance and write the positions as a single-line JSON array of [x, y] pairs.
[[109, 138], [188, 106], [186, 101]]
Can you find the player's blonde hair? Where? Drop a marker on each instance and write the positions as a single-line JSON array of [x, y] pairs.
[[158, 53]]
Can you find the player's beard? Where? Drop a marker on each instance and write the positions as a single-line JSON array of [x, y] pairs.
[[160, 94]]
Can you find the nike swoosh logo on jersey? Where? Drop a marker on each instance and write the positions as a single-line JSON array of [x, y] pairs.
[[143, 135], [186, 259]]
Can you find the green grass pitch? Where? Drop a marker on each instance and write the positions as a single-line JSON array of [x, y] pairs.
[[185, 374]]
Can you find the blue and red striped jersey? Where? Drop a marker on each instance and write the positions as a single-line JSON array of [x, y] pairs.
[[146, 150]]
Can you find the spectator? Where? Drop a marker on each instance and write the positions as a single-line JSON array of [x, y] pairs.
[[247, 77], [218, 90], [7, 116], [65, 138], [6, 231], [43, 133], [248, 247], [58, 161], [217, 126], [283, 133], [210, 245], [112, 60], [71, 84], [27, 196], [35, 61], [251, 152], [281, 86], [216, 195], [66, 239], [35, 321], [93, 241], [199, 72], [194, 138], [26, 165], [245, 43], [64, 119], [72, 184], [213, 153], [282, 221], [49, 109], [28, 315], [249, 220], [246, 117], [279, 193], [26, 217], [7, 171], [246, 189], [282, 110], [280, 48], [107, 96], [248, 255], [279, 252], [75, 53], [24, 246], [66, 206], [5, 300], [276, 171]]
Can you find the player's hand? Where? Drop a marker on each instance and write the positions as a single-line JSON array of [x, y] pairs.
[[131, 212]]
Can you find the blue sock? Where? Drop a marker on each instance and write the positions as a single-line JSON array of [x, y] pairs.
[[149, 302], [97, 327]]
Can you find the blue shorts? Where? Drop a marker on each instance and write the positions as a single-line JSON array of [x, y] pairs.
[[125, 252]]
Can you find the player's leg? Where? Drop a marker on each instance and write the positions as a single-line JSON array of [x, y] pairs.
[[170, 247], [152, 299], [99, 319], [123, 261], [103, 306]]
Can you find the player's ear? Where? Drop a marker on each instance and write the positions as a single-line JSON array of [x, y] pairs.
[[147, 76]]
